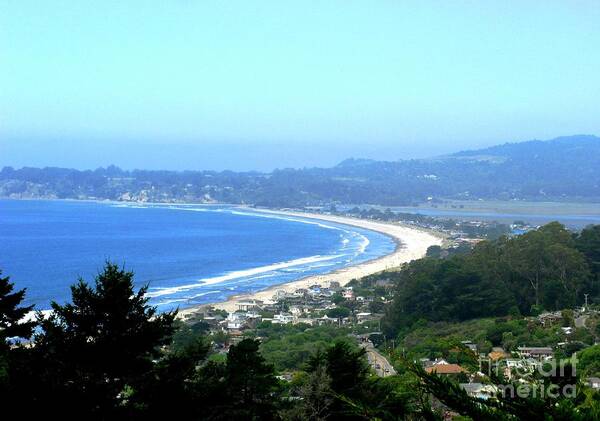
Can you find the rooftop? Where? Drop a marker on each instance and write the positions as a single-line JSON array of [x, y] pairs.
[[446, 369]]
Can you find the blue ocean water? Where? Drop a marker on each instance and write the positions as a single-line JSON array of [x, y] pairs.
[[187, 254]]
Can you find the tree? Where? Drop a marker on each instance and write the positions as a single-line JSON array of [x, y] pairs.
[[546, 257], [339, 387], [434, 251], [250, 382], [347, 367], [316, 394], [338, 312], [172, 383], [589, 361], [92, 352], [351, 305], [588, 243], [568, 317], [11, 313], [337, 298], [376, 306]]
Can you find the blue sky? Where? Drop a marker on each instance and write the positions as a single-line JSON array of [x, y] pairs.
[[261, 84]]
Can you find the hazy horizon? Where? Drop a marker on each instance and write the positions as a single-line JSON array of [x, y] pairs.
[[261, 159], [241, 86]]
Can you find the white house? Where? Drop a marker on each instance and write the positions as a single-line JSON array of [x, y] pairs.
[[283, 318], [362, 317], [236, 320]]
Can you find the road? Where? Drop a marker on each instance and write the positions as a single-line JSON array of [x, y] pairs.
[[378, 362]]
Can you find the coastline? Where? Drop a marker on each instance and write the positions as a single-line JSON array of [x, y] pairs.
[[411, 244]]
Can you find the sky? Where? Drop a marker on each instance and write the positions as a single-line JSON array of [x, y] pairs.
[[255, 85]]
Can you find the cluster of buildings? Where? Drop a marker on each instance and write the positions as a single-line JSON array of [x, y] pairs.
[[515, 367], [525, 365], [312, 306]]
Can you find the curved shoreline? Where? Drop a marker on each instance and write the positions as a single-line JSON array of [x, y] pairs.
[[411, 244]]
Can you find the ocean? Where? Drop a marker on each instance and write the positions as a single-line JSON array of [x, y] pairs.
[[186, 254]]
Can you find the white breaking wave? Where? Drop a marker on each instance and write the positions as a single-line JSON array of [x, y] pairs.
[[127, 205], [186, 299], [172, 301], [322, 265], [193, 209], [158, 292], [269, 275], [364, 244], [287, 218]]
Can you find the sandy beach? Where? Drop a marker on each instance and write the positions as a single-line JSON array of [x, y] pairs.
[[412, 243]]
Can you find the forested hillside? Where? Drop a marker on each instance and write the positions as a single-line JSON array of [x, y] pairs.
[[546, 269], [563, 168]]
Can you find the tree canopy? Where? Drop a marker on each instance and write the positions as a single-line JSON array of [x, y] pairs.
[[548, 268], [11, 325], [88, 353]]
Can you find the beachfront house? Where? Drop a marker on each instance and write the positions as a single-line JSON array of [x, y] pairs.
[[297, 310], [327, 320], [247, 305], [305, 320], [283, 318], [539, 352], [236, 321], [363, 317], [314, 289]]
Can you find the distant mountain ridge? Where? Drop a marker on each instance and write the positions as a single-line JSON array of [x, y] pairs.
[[565, 168], [547, 148]]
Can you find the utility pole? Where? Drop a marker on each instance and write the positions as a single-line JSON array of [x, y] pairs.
[[586, 301]]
